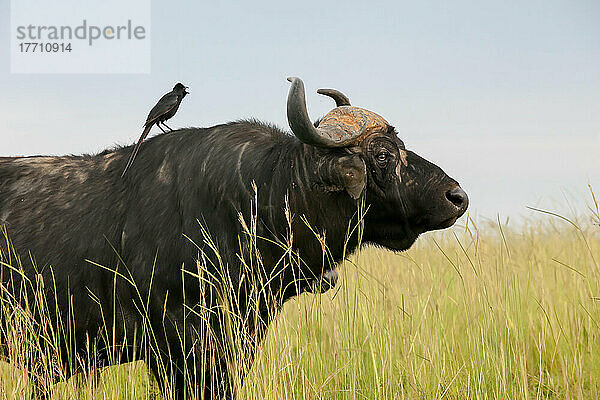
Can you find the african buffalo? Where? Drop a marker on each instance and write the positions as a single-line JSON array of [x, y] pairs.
[[168, 246]]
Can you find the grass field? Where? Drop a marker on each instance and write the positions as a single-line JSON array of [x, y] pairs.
[[473, 312]]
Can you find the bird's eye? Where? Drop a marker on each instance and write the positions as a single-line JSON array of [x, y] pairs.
[[382, 157]]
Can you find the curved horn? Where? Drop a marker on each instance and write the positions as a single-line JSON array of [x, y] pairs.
[[340, 98], [343, 126], [299, 120]]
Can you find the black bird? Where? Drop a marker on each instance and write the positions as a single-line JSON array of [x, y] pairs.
[[165, 109]]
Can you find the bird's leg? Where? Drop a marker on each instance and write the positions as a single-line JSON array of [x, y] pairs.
[[161, 128], [170, 129]]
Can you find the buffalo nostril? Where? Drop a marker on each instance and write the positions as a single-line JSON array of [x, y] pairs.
[[458, 197]]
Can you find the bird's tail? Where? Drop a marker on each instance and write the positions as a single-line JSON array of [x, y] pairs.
[[136, 148]]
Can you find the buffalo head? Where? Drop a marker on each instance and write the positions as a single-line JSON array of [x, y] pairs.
[[406, 194]]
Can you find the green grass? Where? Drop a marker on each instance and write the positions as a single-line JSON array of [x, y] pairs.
[[455, 317], [473, 312]]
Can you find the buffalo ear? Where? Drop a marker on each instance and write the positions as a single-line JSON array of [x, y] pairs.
[[351, 173]]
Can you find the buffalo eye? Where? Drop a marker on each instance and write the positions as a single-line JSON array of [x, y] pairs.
[[382, 158]]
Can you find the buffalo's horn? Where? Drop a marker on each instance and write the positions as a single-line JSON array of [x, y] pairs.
[[299, 120], [343, 126], [340, 98]]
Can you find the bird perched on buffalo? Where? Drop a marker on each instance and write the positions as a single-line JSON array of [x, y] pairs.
[[165, 109]]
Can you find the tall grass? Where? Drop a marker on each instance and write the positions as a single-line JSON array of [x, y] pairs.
[[480, 311]]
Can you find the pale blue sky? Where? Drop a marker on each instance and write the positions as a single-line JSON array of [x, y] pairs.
[[505, 96]]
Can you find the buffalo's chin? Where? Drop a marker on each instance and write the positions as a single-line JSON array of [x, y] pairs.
[[394, 241], [444, 224], [395, 244], [403, 241], [391, 236]]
